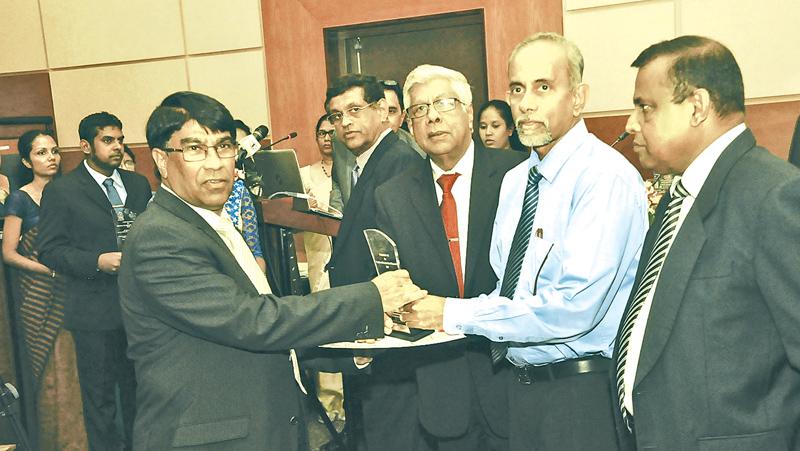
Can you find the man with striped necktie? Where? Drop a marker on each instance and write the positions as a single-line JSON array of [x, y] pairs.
[[565, 246], [708, 354]]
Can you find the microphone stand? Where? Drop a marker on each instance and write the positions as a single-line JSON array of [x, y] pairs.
[[8, 394]]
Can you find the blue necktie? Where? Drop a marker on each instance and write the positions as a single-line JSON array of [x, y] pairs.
[[113, 195], [519, 246]]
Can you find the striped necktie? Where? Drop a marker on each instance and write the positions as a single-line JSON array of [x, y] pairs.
[[519, 246], [665, 236]]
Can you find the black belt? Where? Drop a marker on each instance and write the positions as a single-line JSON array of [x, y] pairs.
[[531, 373]]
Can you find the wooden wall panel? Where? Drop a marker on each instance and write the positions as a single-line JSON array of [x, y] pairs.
[[26, 95], [293, 43], [771, 123]]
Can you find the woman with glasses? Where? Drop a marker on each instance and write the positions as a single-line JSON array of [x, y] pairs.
[[49, 349], [317, 180]]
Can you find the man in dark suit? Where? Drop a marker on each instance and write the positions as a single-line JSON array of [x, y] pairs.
[[357, 109], [471, 413], [85, 216], [211, 344], [344, 160], [708, 353]]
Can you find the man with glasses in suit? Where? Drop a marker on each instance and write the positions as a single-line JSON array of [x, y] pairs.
[[344, 161]]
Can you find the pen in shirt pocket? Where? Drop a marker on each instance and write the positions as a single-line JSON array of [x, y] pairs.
[[540, 235]]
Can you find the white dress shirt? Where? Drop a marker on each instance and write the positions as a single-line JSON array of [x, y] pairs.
[[100, 178]]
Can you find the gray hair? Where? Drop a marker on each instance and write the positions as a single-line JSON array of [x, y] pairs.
[[427, 72], [573, 53]]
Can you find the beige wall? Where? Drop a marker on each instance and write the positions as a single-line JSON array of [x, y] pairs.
[[763, 34], [125, 56]]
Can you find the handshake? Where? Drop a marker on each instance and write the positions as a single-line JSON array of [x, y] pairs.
[[407, 302]]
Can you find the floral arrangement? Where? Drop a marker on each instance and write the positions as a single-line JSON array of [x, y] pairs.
[[656, 187]]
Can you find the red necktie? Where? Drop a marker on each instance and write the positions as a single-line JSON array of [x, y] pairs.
[[450, 219]]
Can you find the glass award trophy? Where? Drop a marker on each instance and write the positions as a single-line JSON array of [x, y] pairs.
[[385, 257]]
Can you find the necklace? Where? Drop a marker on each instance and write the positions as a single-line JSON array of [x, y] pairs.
[[325, 171]]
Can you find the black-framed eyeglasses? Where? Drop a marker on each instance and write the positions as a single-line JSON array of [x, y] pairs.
[[199, 152], [335, 118], [441, 105], [323, 133]]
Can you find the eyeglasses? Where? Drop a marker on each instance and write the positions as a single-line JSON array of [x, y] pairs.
[[323, 133], [199, 152], [440, 105], [355, 111]]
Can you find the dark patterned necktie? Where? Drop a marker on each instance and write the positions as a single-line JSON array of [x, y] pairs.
[[518, 248], [665, 236]]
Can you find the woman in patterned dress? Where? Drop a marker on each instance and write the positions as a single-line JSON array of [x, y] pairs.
[[49, 349]]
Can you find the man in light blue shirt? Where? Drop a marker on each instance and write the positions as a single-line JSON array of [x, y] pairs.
[[586, 222]]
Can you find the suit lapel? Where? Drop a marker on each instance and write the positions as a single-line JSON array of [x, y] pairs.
[[480, 206], [92, 190], [360, 191], [682, 257]]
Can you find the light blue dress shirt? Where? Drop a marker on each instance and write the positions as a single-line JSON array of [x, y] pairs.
[[576, 277]]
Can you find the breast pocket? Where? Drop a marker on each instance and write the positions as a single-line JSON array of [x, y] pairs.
[[542, 261]]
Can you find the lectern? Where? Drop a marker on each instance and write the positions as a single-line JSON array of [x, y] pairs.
[[281, 217]]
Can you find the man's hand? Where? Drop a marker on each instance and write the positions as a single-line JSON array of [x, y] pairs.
[[397, 289], [427, 313], [109, 262]]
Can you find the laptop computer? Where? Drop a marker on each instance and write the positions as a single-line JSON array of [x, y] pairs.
[[280, 177]]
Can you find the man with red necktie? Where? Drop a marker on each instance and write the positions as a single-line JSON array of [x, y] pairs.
[[440, 212]]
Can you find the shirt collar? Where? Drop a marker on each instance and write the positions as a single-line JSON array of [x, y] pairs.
[[100, 178], [361, 160], [213, 219], [695, 175], [560, 153], [463, 166]]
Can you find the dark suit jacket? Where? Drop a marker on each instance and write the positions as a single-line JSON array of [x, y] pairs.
[[211, 354], [343, 163], [720, 361], [351, 262], [408, 211], [76, 226]]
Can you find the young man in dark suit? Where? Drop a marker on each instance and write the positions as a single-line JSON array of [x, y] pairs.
[[212, 345], [85, 217], [445, 397], [708, 353]]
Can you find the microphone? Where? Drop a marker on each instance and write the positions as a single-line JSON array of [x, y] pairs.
[[291, 135], [251, 143], [620, 138]]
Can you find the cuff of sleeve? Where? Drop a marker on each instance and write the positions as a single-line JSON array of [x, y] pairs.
[[453, 320]]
